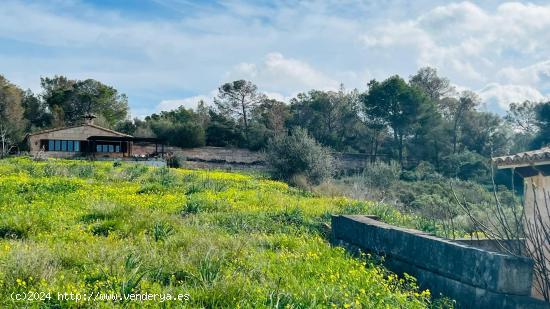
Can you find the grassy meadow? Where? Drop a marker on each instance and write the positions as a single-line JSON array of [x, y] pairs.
[[226, 239]]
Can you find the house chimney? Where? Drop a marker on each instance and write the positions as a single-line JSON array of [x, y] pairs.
[[89, 119]]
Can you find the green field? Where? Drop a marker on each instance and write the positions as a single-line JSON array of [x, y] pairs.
[[225, 239]]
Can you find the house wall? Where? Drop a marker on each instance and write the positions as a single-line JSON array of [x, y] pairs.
[[537, 194]]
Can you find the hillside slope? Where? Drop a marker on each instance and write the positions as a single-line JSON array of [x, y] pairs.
[[224, 239]]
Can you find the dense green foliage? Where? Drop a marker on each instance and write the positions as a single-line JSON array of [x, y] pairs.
[[227, 239], [69, 100], [180, 127], [543, 120], [405, 110], [422, 119], [298, 154]]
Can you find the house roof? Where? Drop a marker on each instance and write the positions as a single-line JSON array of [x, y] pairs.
[[528, 158], [76, 126], [125, 138]]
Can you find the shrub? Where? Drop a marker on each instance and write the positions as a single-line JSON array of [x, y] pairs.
[[164, 177], [7, 232], [152, 188], [197, 203], [104, 228], [161, 231], [134, 171], [381, 175], [29, 263], [52, 169], [423, 171], [82, 170], [174, 161], [209, 269], [103, 211], [298, 153], [466, 165]]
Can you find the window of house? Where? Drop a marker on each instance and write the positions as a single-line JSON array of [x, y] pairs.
[[63, 145], [107, 148]]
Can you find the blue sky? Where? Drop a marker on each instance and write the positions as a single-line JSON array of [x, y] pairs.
[[163, 53]]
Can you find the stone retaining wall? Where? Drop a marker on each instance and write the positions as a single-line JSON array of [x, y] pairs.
[[238, 158], [475, 278]]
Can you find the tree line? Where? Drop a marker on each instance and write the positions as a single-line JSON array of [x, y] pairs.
[[423, 118]]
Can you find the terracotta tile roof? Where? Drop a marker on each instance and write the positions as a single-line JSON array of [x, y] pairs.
[[80, 125], [524, 158]]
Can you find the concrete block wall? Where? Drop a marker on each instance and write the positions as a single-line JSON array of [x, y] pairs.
[[475, 278]]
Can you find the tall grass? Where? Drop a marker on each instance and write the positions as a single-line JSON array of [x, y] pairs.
[[226, 239]]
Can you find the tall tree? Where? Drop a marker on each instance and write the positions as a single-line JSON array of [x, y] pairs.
[[127, 127], [203, 114], [12, 122], [434, 86], [70, 100], [457, 110], [269, 119], [485, 133], [56, 93], [272, 114], [35, 111], [179, 127], [330, 117], [523, 119], [223, 131], [236, 100], [397, 105], [523, 116], [543, 123]]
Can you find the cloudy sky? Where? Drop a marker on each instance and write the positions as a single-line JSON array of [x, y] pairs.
[[163, 53]]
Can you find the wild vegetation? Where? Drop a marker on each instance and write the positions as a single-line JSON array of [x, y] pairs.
[[429, 144], [420, 119], [443, 204], [226, 239]]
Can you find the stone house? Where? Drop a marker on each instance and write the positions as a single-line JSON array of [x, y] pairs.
[[90, 140]]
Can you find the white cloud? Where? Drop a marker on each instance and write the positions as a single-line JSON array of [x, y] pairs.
[[537, 74], [192, 102], [320, 44], [279, 97], [278, 74], [188, 102], [503, 95], [470, 44]]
